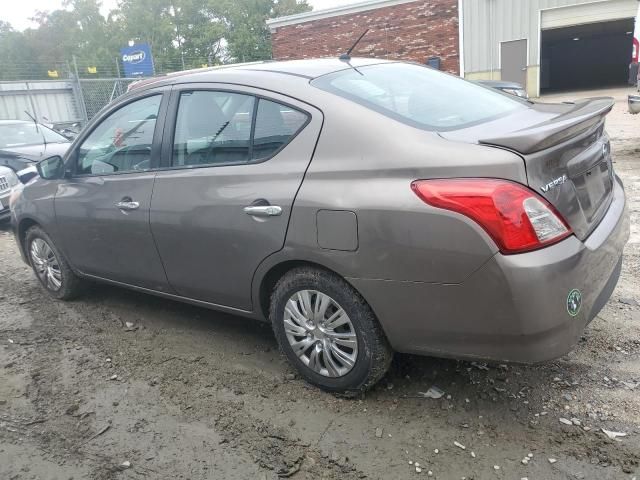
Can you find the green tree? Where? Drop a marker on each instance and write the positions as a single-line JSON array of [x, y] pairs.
[[200, 32], [282, 8], [248, 36], [57, 35], [181, 33], [15, 55], [94, 41], [147, 21]]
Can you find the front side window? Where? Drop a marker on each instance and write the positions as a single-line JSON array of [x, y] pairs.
[[122, 142], [419, 96], [224, 128]]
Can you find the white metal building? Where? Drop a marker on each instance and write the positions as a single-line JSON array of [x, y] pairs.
[[548, 44]]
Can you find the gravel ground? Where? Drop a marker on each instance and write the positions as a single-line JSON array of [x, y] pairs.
[[188, 393]]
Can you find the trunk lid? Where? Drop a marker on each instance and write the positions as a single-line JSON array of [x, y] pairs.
[[566, 154]]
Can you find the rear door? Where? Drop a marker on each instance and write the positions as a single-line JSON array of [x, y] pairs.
[[103, 209], [234, 159]]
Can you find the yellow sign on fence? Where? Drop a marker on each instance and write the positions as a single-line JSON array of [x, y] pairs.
[[53, 73], [92, 69]]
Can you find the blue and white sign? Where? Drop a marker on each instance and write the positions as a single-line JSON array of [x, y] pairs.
[[137, 60]]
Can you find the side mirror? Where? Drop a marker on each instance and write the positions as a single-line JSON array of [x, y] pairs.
[[51, 168]]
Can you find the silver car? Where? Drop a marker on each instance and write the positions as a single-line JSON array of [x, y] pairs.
[[8, 180], [362, 207], [634, 104]]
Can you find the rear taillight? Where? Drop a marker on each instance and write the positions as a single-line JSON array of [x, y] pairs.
[[515, 217]]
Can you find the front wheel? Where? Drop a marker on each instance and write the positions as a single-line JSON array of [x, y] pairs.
[[328, 332], [50, 266]]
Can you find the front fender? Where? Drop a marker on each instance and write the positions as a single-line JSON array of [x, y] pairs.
[[31, 205]]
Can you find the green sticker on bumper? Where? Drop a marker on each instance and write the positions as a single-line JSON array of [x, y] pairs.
[[574, 302]]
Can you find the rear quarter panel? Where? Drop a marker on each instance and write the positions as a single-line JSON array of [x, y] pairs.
[[365, 163]]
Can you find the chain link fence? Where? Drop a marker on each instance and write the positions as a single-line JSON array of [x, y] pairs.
[[98, 92], [88, 87], [59, 102]]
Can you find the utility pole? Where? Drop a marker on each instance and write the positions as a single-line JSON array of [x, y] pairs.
[[75, 67], [179, 38], [79, 93]]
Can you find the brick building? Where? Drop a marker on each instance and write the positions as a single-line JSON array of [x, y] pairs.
[[416, 30], [544, 45]]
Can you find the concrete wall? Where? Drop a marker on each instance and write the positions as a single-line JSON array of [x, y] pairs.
[[414, 30]]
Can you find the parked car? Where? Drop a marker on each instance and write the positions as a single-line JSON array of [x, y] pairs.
[[511, 88], [634, 104], [362, 207], [8, 180], [24, 143], [69, 130]]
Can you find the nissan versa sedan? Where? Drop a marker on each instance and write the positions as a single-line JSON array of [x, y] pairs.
[[361, 206]]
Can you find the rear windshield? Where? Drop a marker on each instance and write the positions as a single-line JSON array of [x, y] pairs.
[[419, 96]]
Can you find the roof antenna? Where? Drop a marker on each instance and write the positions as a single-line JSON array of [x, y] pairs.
[[347, 55]]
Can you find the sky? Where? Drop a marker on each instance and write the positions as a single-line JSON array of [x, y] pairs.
[[19, 12]]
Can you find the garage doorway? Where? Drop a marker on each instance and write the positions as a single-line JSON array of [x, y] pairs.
[[588, 56]]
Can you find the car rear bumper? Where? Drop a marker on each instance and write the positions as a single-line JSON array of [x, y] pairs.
[[514, 307]]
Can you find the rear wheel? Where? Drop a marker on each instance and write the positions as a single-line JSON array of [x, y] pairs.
[[328, 332], [50, 266]]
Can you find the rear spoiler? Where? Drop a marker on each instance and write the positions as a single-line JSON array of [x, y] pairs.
[[583, 115]]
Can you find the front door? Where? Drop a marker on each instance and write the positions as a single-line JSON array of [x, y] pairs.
[[103, 209], [237, 160], [513, 57]]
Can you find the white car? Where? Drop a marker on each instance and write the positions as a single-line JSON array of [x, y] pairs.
[[8, 180]]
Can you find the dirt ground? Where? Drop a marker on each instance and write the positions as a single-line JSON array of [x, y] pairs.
[[189, 393]]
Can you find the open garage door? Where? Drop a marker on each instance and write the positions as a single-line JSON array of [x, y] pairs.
[[586, 56]]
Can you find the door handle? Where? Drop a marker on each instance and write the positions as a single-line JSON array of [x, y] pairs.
[[263, 210], [128, 205]]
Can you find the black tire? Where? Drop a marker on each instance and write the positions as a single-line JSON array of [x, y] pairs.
[[374, 353], [71, 283]]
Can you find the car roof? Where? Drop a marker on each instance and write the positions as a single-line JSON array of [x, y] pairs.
[[311, 68], [307, 69]]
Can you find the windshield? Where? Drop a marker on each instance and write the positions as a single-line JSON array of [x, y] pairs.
[[419, 96], [22, 134]]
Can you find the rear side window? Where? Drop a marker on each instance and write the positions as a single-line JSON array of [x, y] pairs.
[[225, 128], [419, 96], [275, 125]]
